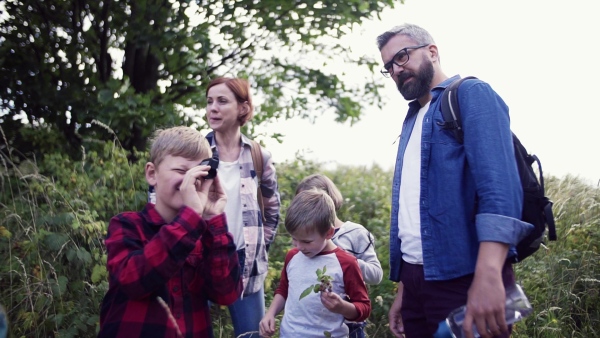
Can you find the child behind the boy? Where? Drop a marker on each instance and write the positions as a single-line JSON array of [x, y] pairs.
[[167, 261], [310, 221]]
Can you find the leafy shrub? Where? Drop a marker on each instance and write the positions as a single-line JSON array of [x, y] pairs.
[[54, 214], [53, 219]]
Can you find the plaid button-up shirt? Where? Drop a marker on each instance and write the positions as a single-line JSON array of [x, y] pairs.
[[186, 263], [257, 236]]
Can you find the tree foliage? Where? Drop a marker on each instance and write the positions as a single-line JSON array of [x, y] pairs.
[[72, 68]]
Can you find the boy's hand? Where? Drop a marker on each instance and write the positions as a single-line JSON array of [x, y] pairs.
[[190, 188], [206, 197], [332, 301], [216, 197], [267, 326], [336, 304]]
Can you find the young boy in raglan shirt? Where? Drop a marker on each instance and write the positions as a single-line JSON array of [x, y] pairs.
[[310, 221], [350, 236]]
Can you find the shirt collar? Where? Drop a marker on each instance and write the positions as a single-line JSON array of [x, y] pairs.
[[152, 217]]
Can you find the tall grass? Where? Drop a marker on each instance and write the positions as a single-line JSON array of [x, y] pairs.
[[53, 218], [562, 280]]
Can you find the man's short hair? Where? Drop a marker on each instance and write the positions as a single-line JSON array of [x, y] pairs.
[[324, 183], [181, 141], [416, 33], [310, 210]]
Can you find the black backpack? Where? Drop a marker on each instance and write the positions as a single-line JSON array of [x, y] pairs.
[[537, 208]]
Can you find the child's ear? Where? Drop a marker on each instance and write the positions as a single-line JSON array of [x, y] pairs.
[[330, 233], [150, 173]]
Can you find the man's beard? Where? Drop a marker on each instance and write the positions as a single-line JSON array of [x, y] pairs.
[[421, 83]]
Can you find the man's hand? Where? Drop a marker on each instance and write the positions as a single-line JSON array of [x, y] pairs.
[[486, 298], [395, 318]]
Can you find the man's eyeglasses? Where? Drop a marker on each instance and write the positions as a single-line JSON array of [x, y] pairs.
[[400, 59]]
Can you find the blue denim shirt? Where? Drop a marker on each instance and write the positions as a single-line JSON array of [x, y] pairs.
[[470, 192]]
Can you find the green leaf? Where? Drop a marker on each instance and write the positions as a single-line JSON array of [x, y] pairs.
[[105, 96], [306, 292], [59, 287], [5, 233], [92, 320], [84, 256], [55, 241], [98, 273], [58, 319]]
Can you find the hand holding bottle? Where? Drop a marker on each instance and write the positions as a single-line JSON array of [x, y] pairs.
[[517, 307]]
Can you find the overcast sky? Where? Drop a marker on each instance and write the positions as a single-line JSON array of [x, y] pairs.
[[540, 56]]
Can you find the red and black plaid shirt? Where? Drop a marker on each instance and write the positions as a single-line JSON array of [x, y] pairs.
[[186, 263]]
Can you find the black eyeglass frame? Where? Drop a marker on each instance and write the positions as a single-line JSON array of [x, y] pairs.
[[390, 64]]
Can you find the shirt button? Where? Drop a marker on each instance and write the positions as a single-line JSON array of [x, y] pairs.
[[178, 315], [176, 288]]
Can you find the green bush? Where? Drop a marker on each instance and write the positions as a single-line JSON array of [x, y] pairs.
[[53, 219], [54, 214]]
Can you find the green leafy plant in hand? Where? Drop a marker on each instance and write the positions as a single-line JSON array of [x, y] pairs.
[[323, 285]]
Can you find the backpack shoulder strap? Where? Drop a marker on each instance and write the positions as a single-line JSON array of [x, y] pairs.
[[451, 109], [257, 160]]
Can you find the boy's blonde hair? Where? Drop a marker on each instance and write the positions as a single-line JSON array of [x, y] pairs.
[[310, 210], [324, 183], [178, 141]]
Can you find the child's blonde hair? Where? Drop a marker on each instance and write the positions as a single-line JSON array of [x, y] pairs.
[[324, 183], [178, 141], [310, 210]]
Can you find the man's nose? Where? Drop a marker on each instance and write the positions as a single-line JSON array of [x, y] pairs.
[[397, 69]]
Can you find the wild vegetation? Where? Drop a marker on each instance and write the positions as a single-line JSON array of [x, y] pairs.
[[54, 213]]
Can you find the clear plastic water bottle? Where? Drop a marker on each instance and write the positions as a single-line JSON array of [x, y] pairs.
[[517, 307]]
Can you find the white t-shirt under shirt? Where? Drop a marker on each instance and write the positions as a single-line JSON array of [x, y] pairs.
[[307, 317], [229, 175], [409, 218]]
